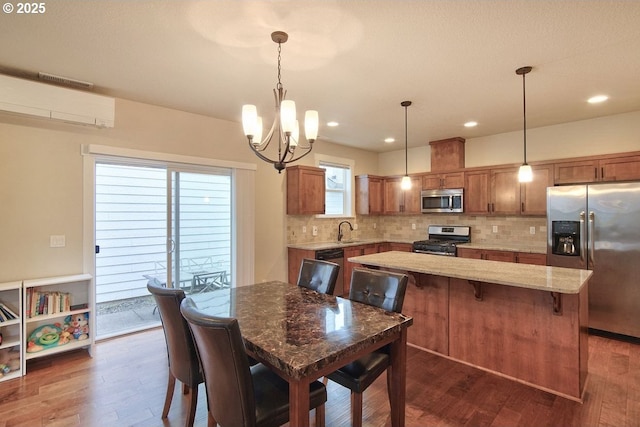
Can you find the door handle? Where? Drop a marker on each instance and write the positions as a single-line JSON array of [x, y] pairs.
[[171, 246], [592, 243], [583, 238]]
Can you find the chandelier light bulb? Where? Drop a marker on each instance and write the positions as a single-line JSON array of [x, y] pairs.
[[295, 134], [311, 124], [288, 115], [249, 120], [525, 173], [257, 132]]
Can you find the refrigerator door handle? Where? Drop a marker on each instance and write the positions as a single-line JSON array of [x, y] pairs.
[[583, 240], [592, 239]]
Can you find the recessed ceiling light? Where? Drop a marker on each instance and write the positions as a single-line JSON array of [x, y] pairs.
[[471, 124], [389, 140], [598, 98], [332, 124]]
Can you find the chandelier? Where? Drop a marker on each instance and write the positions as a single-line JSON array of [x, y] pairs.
[[405, 184], [285, 125]]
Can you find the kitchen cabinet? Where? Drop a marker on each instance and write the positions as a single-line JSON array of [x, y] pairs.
[[608, 169], [504, 256], [11, 343], [435, 181], [397, 200], [294, 261], [369, 195], [497, 191], [305, 190]]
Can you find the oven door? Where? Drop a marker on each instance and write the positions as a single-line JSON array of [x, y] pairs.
[[442, 201]]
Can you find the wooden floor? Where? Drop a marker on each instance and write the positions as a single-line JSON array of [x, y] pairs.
[[124, 385]]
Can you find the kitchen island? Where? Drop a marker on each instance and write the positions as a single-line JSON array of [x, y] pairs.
[[524, 322]]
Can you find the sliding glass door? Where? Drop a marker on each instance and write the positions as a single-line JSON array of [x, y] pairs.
[[157, 224]]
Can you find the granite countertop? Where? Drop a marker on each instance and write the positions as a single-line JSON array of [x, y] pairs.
[[533, 248], [316, 246], [538, 277]]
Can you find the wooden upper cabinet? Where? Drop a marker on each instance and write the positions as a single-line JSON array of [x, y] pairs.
[[369, 195], [505, 191], [611, 168], [476, 192], [305, 190], [533, 195], [620, 169], [434, 181], [576, 172], [397, 200]]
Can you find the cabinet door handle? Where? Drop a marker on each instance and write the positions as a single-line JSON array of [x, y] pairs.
[[522, 207], [493, 207], [595, 173], [602, 173], [488, 207]]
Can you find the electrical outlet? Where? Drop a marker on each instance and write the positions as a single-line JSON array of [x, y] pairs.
[[355, 226], [413, 226], [495, 228], [304, 228], [314, 230], [532, 230], [374, 226]]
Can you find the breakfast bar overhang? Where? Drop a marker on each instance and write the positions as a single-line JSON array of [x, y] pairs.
[[524, 322]]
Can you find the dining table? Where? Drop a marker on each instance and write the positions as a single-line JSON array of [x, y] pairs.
[[303, 335]]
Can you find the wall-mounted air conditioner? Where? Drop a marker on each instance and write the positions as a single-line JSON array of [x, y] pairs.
[[53, 102]]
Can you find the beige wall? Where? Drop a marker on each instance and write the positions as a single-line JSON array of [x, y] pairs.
[[41, 182], [41, 177], [610, 134]]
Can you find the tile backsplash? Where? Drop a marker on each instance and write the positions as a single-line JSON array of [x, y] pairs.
[[484, 229]]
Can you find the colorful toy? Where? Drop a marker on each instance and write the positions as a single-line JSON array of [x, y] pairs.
[[78, 325], [45, 336]]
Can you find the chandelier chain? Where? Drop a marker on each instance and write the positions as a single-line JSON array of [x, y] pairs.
[[279, 85]]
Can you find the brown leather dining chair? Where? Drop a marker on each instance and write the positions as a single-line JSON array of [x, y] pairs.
[[319, 275], [240, 395], [382, 289], [184, 363]]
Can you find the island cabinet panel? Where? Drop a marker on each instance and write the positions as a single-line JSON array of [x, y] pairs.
[[514, 331], [295, 257], [427, 301]]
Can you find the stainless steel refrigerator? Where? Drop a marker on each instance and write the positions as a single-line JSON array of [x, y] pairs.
[[597, 227]]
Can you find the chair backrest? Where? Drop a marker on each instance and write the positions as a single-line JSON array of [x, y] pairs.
[[183, 357], [225, 364], [319, 275], [382, 289]]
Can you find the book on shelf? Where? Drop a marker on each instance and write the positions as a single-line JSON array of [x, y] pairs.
[[47, 302], [6, 313]]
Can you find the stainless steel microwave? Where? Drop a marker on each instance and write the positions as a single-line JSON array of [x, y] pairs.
[[449, 200]]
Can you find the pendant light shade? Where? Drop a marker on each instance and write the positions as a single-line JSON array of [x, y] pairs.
[[405, 184], [525, 173]]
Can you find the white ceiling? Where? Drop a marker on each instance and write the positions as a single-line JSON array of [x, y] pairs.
[[353, 61]]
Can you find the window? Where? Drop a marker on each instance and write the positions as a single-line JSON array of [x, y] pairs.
[[338, 177]]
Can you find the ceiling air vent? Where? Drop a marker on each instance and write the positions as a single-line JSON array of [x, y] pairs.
[[66, 81]]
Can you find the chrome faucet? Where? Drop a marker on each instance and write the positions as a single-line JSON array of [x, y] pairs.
[[339, 229]]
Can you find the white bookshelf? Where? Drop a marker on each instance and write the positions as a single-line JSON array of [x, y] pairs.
[[37, 294], [11, 329]]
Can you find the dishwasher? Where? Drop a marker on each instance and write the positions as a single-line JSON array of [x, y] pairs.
[[336, 256]]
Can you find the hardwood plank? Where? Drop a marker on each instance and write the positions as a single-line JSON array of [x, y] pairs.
[[124, 386]]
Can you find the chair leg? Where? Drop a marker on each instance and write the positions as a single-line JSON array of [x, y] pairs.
[[193, 401], [167, 400], [356, 409], [185, 389], [320, 415], [211, 422]]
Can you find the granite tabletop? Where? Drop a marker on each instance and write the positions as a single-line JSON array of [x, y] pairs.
[[539, 277], [297, 330]]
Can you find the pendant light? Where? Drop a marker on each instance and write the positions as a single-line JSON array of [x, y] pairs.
[[525, 173], [405, 184]]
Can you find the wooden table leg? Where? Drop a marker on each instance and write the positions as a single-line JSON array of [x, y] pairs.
[[299, 403], [398, 379]]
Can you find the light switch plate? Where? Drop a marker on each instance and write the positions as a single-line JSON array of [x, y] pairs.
[[532, 230], [413, 226], [314, 230], [304, 228], [57, 241], [495, 228]]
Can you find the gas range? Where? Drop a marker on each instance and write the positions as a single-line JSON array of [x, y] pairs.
[[443, 240]]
